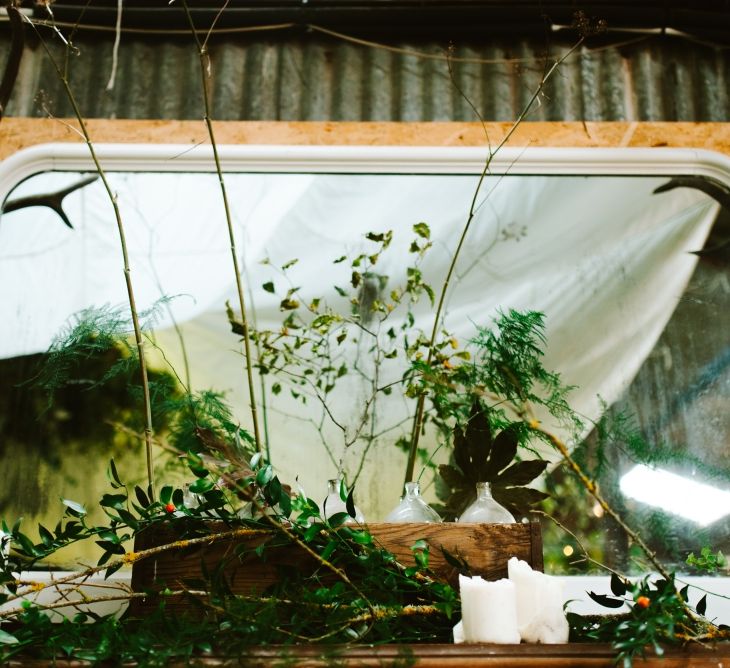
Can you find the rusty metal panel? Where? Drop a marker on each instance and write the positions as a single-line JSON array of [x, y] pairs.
[[316, 77]]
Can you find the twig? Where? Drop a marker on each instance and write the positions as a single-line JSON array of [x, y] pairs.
[[420, 404], [133, 557], [205, 77], [139, 341], [592, 489]]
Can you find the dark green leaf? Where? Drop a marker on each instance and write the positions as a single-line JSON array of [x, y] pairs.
[[45, 535], [618, 586], [460, 564], [452, 477], [269, 287], [141, 496], [472, 446], [114, 475], [503, 451], [701, 606], [522, 473], [350, 504], [113, 500], [606, 601], [285, 505], [272, 491]]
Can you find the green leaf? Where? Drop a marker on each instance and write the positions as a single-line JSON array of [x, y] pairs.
[[264, 475], [422, 230], [269, 287], [288, 304], [362, 537], [165, 495], [329, 549], [76, 508], [114, 475], [46, 535], [338, 519], [701, 606], [7, 639], [201, 486]]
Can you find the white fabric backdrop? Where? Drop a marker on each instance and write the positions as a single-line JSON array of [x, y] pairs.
[[603, 258]]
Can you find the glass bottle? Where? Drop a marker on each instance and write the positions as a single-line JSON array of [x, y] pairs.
[[412, 507], [334, 504], [485, 509]]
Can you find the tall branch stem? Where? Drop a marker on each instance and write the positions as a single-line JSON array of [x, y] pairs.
[[139, 340], [421, 402], [205, 76]]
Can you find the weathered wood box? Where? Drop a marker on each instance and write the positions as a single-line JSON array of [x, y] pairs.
[[485, 547]]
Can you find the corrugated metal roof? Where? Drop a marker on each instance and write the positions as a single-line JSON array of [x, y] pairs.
[[316, 77]]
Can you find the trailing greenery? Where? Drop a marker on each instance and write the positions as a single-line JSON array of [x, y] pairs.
[[353, 589], [658, 615]]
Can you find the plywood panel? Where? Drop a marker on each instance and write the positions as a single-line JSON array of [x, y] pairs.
[[17, 133]]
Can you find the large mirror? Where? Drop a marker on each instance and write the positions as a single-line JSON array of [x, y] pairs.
[[626, 258]]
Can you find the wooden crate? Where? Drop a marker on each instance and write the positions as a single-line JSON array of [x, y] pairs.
[[485, 547]]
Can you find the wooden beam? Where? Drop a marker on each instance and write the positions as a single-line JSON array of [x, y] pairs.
[[18, 133]]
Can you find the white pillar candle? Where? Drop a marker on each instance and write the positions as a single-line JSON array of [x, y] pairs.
[[488, 610], [539, 598]]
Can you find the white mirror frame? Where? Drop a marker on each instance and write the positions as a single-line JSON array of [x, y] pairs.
[[392, 160], [363, 159]]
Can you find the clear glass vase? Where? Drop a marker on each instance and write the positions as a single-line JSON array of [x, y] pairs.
[[485, 509], [412, 507], [334, 504]]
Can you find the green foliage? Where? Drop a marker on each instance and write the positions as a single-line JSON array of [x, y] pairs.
[[481, 457], [390, 602], [708, 560], [658, 614]]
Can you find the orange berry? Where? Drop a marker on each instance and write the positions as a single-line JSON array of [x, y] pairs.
[[170, 507], [643, 602]]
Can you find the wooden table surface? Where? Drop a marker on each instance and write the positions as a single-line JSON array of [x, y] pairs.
[[572, 655]]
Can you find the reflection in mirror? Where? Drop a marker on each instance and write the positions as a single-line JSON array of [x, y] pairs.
[[634, 321]]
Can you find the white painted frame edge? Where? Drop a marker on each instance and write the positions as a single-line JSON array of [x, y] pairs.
[[364, 159]]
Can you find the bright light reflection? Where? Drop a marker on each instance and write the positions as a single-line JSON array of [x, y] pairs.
[[692, 500]]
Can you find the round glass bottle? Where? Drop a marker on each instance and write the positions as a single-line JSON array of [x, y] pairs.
[[485, 509], [334, 504], [412, 507]]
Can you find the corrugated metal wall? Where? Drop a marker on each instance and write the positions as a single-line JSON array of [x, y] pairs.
[[316, 77]]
